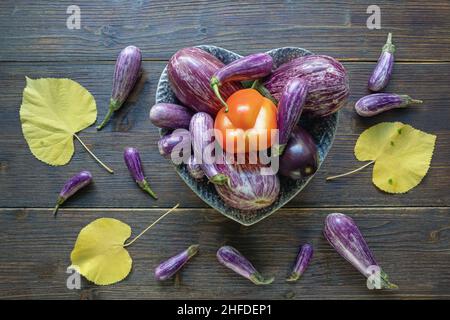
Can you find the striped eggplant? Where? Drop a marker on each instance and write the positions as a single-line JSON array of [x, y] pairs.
[[290, 108], [126, 73], [234, 260], [377, 103], [247, 189], [344, 236], [179, 140], [171, 116], [190, 71], [202, 135], [133, 161], [194, 169], [171, 266], [75, 183], [301, 263], [251, 67], [327, 80], [383, 70]]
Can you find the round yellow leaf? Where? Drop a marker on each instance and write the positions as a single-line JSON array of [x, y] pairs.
[[401, 153], [52, 111], [99, 253]]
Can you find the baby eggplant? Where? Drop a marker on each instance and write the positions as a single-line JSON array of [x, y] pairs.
[[303, 258], [383, 70], [133, 162], [72, 185], [171, 266], [171, 116], [376, 103]]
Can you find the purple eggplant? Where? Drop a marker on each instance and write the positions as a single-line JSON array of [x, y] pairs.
[[194, 169], [202, 132], [178, 141], [72, 185], [301, 157], [327, 80], [303, 258], [171, 266], [234, 260], [133, 161], [290, 108], [344, 236], [251, 67], [190, 71], [383, 70], [171, 116], [126, 73], [376, 103], [247, 189]]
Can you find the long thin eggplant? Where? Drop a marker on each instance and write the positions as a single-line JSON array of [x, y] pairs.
[[171, 266], [290, 108], [301, 157], [170, 116], [377, 103], [234, 260], [72, 185], [179, 140], [302, 262], [202, 131], [252, 67], [126, 73], [133, 161], [190, 71], [383, 70], [328, 85], [194, 169], [344, 236]]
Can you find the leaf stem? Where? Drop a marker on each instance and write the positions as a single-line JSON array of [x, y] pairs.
[[93, 155], [351, 172], [146, 229]]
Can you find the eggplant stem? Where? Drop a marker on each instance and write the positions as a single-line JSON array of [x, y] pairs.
[[351, 172], [293, 277], [215, 84], [255, 84], [146, 229], [55, 211], [93, 155], [107, 117], [146, 187]]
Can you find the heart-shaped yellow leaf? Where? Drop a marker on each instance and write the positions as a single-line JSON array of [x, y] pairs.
[[402, 155], [99, 253], [52, 112]]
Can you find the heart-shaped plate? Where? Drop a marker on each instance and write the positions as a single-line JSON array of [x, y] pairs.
[[321, 129]]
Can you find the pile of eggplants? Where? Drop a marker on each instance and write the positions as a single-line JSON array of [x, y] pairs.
[[314, 85]]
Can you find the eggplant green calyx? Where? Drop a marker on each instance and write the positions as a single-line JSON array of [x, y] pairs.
[[410, 100], [146, 187], [220, 179], [279, 149], [258, 279], [389, 46], [215, 85], [385, 284], [192, 250], [113, 106], [59, 202], [293, 277]]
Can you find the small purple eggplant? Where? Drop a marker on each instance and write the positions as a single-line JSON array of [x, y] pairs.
[[234, 260], [376, 103], [303, 258], [171, 266], [133, 162], [126, 73], [74, 184], [383, 70], [171, 116], [177, 141], [344, 236], [290, 108], [251, 67], [194, 169]]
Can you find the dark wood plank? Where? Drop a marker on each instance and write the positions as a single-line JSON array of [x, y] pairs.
[[36, 30], [27, 182], [410, 244]]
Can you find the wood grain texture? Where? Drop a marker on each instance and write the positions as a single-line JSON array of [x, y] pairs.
[[27, 182], [410, 244], [36, 30]]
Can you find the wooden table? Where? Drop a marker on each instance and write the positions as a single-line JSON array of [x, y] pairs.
[[409, 234]]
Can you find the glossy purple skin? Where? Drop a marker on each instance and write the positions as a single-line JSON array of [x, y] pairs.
[[194, 169], [180, 138], [327, 80], [290, 108], [170, 116], [171, 266], [383, 70], [251, 67], [302, 262], [74, 184], [126, 73], [190, 71], [133, 161], [247, 189], [300, 158], [377, 103], [234, 260]]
